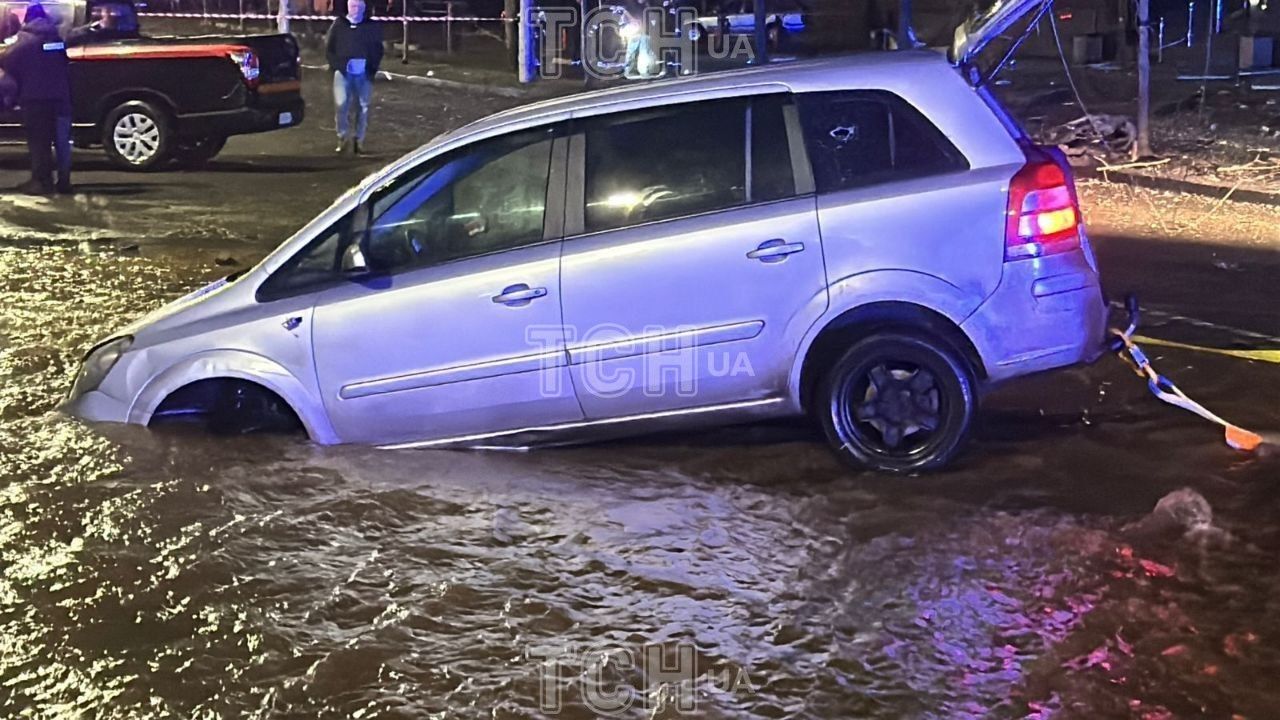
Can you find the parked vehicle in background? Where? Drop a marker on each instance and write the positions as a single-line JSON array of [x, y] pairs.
[[785, 18], [147, 101], [869, 241]]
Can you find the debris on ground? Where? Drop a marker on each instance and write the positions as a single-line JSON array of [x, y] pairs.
[[1217, 136], [1090, 136]]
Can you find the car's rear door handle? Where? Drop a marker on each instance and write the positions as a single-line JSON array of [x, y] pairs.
[[772, 251], [519, 295]]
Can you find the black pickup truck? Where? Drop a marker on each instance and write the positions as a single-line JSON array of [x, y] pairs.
[[149, 101]]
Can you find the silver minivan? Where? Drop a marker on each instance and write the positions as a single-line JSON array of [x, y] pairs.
[[867, 240]]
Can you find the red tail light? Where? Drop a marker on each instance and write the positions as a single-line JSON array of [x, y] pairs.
[[248, 64], [1043, 216]]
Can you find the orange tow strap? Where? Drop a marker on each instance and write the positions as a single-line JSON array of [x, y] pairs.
[[1164, 389]]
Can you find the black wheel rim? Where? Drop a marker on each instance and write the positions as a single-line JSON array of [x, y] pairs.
[[893, 409]]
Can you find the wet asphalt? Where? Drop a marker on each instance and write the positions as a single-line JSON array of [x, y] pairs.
[[169, 574]]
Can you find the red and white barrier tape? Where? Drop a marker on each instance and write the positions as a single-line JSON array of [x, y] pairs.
[[326, 18]]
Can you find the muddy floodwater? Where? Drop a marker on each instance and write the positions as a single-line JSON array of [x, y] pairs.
[[157, 574]]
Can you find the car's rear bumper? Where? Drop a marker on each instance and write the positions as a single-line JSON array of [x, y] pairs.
[[273, 112], [1046, 313]]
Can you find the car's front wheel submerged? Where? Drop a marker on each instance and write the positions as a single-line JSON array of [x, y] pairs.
[[897, 402]]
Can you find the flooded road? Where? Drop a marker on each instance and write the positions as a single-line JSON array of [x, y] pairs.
[[150, 574], [169, 574]]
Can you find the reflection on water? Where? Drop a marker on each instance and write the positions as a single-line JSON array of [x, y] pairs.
[[172, 575]]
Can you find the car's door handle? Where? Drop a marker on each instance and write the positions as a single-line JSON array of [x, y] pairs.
[[771, 251], [519, 295]]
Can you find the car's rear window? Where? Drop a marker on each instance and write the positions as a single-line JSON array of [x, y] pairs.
[[866, 137]]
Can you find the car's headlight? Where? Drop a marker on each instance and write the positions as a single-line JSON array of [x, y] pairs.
[[98, 363]]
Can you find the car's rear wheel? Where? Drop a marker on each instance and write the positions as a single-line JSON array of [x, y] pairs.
[[137, 135], [897, 402], [195, 152]]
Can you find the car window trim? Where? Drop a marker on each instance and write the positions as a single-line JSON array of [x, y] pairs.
[[747, 149], [690, 216], [801, 168], [575, 200], [575, 196], [553, 204]]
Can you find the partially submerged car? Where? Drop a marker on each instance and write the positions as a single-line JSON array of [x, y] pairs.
[[867, 240], [151, 100]]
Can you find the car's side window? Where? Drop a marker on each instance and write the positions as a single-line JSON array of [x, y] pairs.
[[666, 162], [866, 137], [487, 197], [311, 268], [113, 17]]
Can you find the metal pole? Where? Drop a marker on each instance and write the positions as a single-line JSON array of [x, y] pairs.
[[510, 9], [1204, 79], [404, 32], [1143, 146], [448, 27], [582, 42], [1191, 18], [761, 34], [905, 35], [525, 45], [1160, 39], [282, 16]]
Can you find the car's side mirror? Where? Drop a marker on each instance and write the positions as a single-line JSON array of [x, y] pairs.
[[353, 262]]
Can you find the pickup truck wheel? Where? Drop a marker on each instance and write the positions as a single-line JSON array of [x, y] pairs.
[[195, 152], [898, 402], [136, 136]]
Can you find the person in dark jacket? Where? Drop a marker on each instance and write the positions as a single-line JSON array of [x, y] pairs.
[[37, 61], [354, 50]]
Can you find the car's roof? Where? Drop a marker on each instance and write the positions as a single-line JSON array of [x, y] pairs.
[[872, 68]]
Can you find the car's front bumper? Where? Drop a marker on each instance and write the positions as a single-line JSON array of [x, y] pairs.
[[96, 406]]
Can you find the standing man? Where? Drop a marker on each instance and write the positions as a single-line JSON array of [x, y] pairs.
[[354, 50], [37, 61]]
